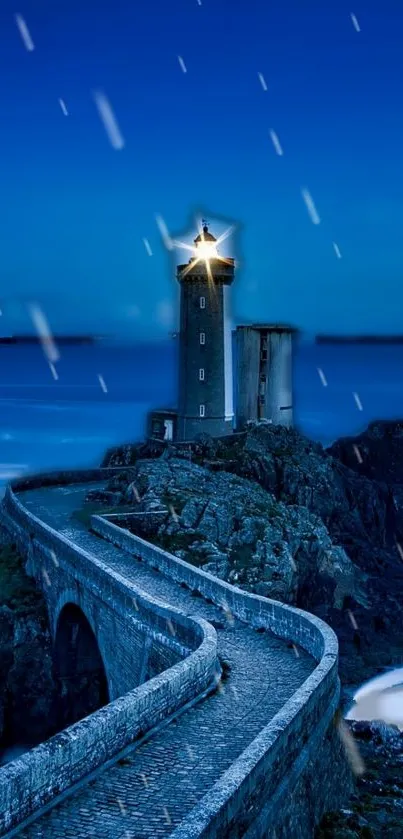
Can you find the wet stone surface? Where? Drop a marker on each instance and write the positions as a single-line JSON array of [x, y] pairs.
[[150, 792]]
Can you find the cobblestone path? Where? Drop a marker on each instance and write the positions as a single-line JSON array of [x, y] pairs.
[[148, 793]]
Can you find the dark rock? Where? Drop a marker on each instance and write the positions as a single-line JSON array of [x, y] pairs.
[[27, 686], [231, 524], [376, 808], [381, 450], [104, 497]]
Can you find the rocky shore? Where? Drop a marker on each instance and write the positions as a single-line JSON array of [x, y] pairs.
[[375, 811], [279, 515], [27, 688]]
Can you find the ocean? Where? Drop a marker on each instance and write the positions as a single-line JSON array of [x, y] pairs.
[[70, 422]]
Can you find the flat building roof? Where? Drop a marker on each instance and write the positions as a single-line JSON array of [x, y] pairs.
[[268, 327]]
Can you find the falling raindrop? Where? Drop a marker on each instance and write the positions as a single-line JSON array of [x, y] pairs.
[[122, 807], [167, 816], [262, 80], [313, 213], [182, 64], [352, 619], [43, 330], [109, 120], [171, 627], [147, 247], [25, 33], [164, 233], [355, 23], [322, 376], [102, 383], [276, 143], [63, 107], [46, 577], [351, 749], [337, 250], [53, 371], [54, 558]]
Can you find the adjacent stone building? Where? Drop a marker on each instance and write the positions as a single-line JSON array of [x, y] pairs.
[[206, 382], [264, 374]]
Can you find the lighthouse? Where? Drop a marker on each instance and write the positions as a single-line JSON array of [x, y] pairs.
[[264, 369], [205, 400]]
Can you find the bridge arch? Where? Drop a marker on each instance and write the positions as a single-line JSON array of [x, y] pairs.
[[78, 665]]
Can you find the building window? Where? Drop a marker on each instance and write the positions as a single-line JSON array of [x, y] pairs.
[[202, 337], [201, 410], [202, 302], [201, 374]]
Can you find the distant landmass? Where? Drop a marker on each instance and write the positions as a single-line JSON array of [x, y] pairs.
[[58, 339], [359, 339]]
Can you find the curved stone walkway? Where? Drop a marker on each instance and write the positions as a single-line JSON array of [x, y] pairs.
[[150, 792]]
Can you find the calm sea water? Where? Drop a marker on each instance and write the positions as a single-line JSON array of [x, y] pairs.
[[70, 422]]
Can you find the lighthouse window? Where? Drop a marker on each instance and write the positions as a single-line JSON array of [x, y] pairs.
[[201, 410], [201, 374], [202, 337], [202, 302]]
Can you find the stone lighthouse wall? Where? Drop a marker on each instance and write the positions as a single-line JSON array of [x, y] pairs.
[[205, 354]]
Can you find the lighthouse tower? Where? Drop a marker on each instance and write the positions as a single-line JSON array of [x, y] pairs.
[[205, 403]]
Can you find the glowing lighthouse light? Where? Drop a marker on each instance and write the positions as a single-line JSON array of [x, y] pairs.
[[204, 249], [206, 244]]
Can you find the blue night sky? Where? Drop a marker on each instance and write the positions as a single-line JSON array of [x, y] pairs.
[[74, 210]]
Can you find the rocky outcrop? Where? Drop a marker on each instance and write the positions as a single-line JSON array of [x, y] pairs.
[[236, 529], [279, 515], [27, 689], [376, 808], [380, 452]]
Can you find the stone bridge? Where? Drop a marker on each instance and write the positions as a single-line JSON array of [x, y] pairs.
[[190, 708]]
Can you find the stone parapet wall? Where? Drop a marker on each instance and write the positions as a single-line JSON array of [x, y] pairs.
[[33, 780], [286, 757], [35, 537], [287, 622]]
